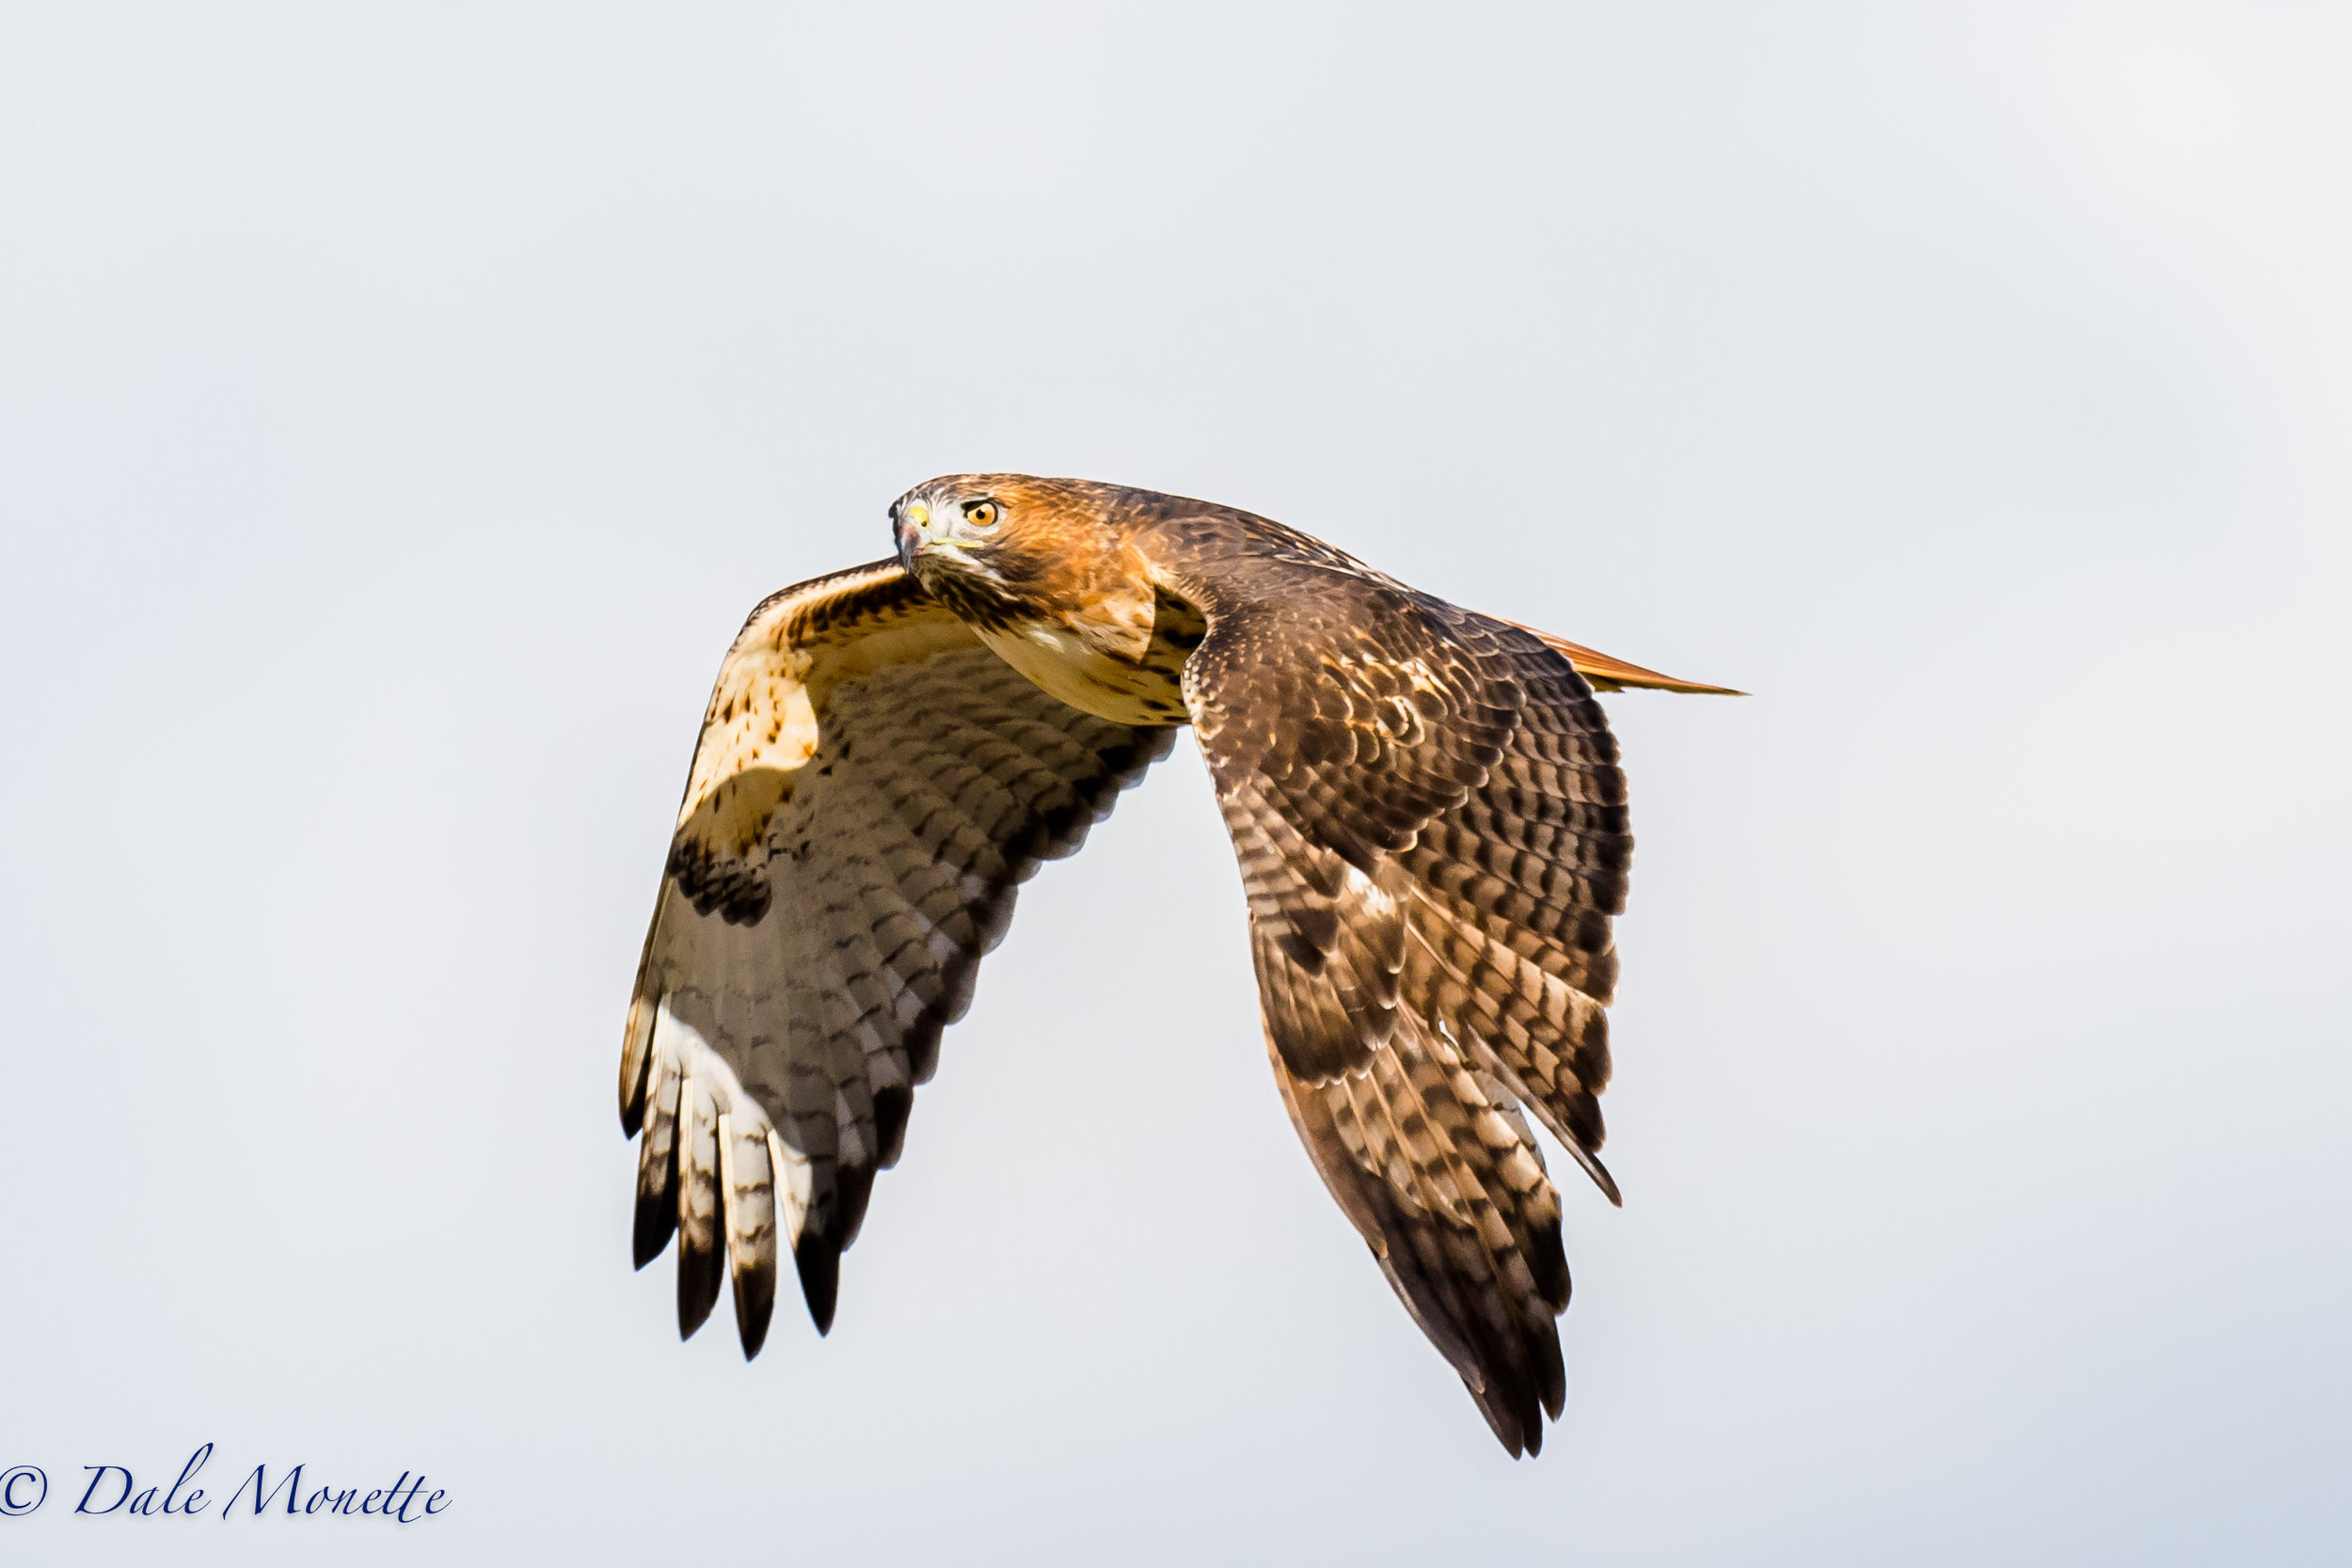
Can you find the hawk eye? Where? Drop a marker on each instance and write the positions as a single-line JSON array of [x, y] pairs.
[[980, 514]]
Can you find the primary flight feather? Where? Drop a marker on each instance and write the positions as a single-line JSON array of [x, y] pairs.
[[1425, 801]]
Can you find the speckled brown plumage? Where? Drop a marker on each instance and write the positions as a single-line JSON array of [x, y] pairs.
[[1424, 802]]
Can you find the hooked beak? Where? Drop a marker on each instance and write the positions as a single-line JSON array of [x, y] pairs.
[[919, 536]]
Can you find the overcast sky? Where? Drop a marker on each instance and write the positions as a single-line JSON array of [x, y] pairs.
[[401, 405]]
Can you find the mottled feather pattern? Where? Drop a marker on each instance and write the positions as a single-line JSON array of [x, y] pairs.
[[762, 723], [1327, 941], [1460, 768], [1442, 1179], [1338, 718], [1348, 704], [932, 786]]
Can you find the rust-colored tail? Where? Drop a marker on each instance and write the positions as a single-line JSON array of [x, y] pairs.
[[1616, 674]]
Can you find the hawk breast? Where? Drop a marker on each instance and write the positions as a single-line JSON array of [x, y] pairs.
[[1068, 665]]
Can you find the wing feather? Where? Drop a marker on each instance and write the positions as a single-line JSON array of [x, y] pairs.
[[657, 1160], [1431, 828], [747, 1184], [1446, 1185], [870, 787], [699, 1234]]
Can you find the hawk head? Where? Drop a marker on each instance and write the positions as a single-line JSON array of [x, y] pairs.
[[999, 529], [1000, 549]]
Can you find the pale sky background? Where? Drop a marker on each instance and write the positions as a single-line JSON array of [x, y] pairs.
[[401, 405]]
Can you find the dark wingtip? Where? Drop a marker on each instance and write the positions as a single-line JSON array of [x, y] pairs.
[[754, 1305], [1547, 1261], [1594, 1168], [1608, 1185], [856, 1189], [633, 1097], [646, 1245], [818, 1263], [657, 1216], [1506, 1434], [697, 1286], [1551, 1371], [891, 1109]]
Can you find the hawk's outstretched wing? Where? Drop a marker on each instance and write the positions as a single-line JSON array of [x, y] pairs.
[[1431, 826], [870, 786]]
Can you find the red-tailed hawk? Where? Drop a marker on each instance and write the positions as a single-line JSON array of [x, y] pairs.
[[1431, 827]]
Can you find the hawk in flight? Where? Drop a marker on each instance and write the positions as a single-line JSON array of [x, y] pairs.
[[1424, 801]]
